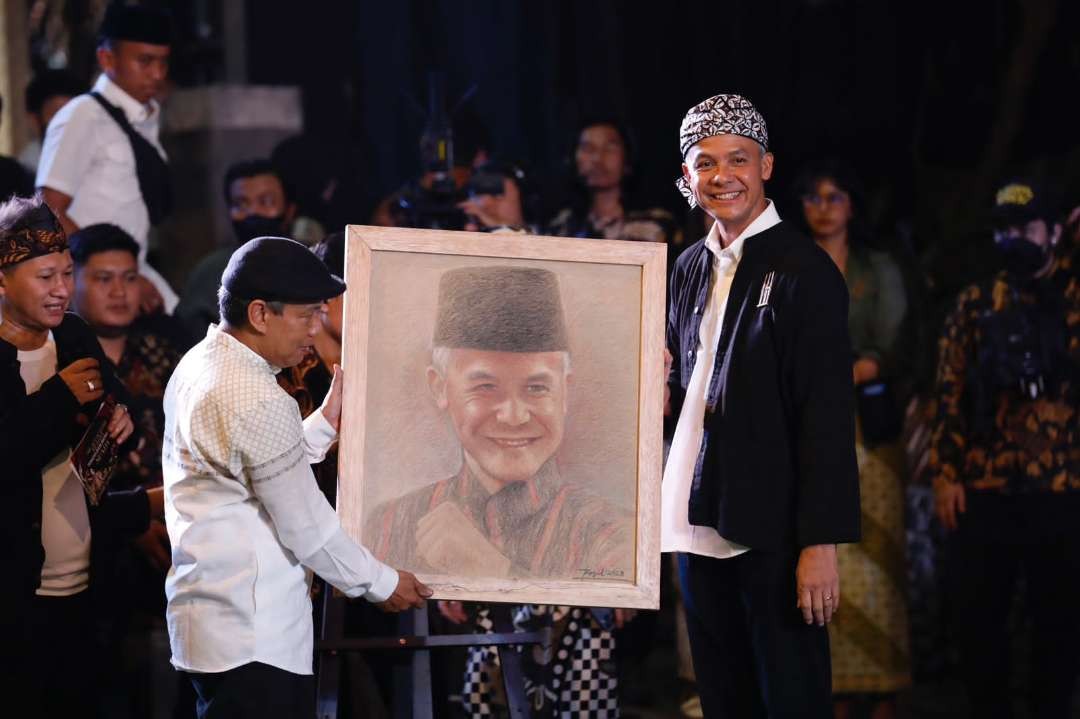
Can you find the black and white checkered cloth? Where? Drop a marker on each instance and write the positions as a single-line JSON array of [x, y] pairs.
[[575, 678]]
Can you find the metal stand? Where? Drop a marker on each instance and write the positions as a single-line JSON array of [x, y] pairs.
[[415, 637]]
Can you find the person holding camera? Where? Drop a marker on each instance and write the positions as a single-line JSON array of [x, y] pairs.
[[1006, 460]]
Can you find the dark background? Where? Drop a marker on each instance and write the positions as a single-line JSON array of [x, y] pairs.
[[933, 102]]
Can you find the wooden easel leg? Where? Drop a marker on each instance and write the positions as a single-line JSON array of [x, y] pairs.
[[329, 679], [510, 660]]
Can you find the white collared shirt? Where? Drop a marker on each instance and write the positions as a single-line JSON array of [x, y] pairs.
[[245, 516], [676, 532], [88, 157]]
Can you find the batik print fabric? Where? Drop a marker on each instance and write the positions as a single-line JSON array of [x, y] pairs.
[[1014, 444], [153, 349], [545, 526]]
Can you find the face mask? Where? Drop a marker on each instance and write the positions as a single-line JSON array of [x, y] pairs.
[[1022, 258], [254, 226]]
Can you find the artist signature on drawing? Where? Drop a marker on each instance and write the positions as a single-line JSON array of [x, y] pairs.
[[589, 573]]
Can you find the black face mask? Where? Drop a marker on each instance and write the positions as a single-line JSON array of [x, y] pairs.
[[1022, 258], [254, 226]]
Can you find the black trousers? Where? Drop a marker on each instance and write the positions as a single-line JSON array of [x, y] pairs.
[[254, 691], [998, 539], [65, 657], [754, 656]]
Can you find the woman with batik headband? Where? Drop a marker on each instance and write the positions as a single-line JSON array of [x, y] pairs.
[[602, 200], [869, 641], [52, 377]]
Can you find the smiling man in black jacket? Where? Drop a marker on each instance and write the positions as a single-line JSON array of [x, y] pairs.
[[52, 374], [761, 482]]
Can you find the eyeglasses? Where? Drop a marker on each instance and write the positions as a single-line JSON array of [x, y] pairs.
[[829, 198]]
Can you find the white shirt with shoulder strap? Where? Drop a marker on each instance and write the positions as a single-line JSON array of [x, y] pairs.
[[89, 158], [245, 516]]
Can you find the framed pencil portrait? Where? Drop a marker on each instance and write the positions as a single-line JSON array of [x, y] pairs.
[[502, 423]]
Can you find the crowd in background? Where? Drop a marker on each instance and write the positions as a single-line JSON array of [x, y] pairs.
[[967, 406]]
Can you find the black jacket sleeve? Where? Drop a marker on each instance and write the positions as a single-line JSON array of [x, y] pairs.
[[827, 503], [38, 425]]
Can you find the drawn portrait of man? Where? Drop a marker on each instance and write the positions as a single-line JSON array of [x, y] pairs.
[[501, 376]]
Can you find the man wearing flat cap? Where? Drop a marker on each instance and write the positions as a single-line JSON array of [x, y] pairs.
[[500, 371], [101, 161], [245, 516], [761, 481]]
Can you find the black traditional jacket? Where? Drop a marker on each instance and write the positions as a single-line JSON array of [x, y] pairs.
[[777, 464], [33, 429]]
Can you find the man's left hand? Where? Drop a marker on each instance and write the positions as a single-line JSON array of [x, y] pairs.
[[331, 406], [120, 424], [817, 583]]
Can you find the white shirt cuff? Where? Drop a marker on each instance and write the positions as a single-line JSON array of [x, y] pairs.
[[319, 436], [383, 587]]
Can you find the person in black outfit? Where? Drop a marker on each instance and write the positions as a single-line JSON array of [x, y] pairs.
[[53, 376], [761, 482]]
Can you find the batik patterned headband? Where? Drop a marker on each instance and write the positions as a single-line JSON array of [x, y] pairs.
[[719, 115], [26, 243]]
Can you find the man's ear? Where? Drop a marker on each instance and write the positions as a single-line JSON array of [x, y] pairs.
[[290, 214], [257, 314], [106, 58], [569, 382], [437, 385], [686, 172], [766, 165]]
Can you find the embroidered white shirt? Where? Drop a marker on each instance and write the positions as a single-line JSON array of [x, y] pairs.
[[245, 516], [676, 532], [88, 157]]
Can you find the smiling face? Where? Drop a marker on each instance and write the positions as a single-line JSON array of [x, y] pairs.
[[35, 293], [727, 174], [508, 409], [288, 336], [107, 291]]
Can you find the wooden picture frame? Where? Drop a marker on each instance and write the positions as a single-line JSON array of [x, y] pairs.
[[613, 295]]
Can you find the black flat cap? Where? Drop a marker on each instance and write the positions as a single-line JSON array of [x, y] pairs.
[[277, 269], [136, 23], [500, 309]]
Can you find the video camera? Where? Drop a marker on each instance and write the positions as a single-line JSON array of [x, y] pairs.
[[431, 201]]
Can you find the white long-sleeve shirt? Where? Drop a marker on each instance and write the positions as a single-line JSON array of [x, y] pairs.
[[676, 532], [245, 516]]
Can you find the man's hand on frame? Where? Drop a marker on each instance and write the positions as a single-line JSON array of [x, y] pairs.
[[409, 594]]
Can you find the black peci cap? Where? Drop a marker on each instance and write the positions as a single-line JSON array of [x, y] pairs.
[[277, 269], [501, 309], [136, 23]]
